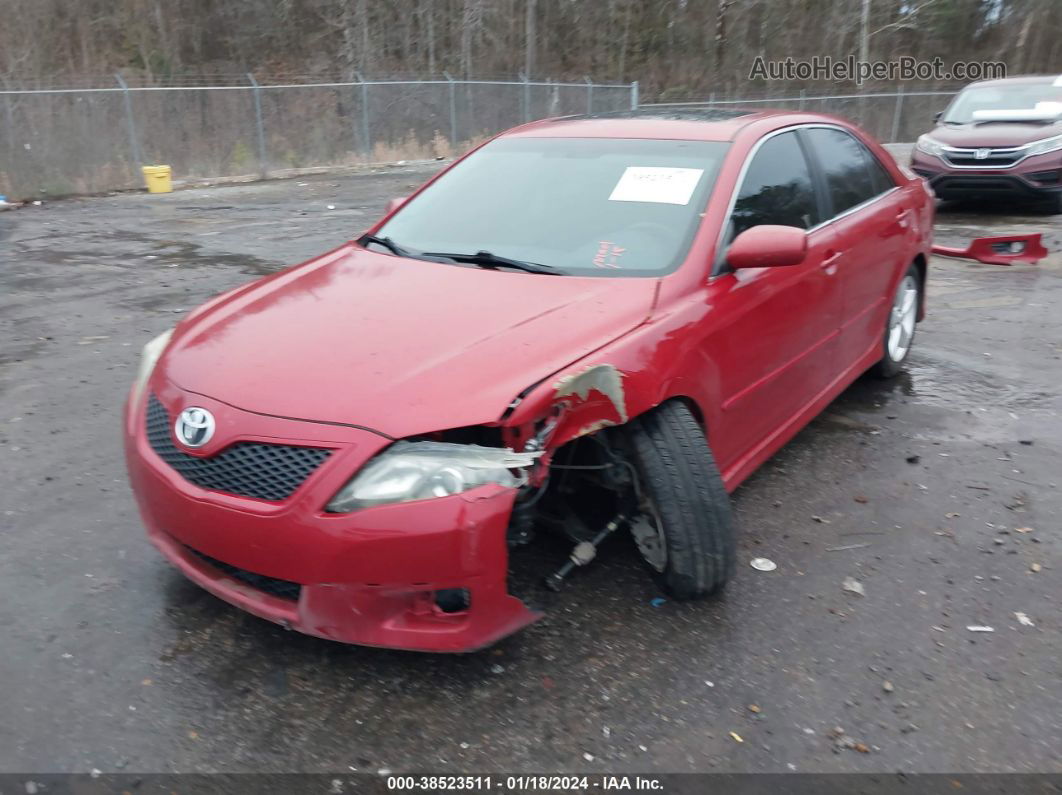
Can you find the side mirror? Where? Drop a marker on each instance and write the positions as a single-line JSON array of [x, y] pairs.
[[936, 116], [395, 203], [768, 246]]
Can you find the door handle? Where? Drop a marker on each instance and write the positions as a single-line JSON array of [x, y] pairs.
[[829, 261]]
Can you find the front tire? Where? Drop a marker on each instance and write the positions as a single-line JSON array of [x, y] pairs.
[[684, 504], [900, 324]]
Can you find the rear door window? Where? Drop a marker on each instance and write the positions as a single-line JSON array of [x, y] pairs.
[[851, 172], [880, 178], [777, 188]]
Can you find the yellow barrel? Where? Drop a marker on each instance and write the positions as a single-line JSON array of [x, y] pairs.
[[157, 179]]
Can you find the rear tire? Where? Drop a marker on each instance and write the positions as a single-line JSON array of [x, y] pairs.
[[689, 506], [900, 324]]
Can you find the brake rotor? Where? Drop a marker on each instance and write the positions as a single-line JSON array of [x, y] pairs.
[[648, 533]]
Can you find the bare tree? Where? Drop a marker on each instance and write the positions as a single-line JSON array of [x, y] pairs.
[[720, 32], [678, 47], [530, 44]]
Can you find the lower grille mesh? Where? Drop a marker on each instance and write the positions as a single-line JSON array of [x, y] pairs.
[[282, 589], [246, 469]]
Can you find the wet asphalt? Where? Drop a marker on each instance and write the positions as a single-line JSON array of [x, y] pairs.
[[938, 492]]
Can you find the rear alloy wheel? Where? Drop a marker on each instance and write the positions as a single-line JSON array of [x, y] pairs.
[[684, 531], [900, 325]]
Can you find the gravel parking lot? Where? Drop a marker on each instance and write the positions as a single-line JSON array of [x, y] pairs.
[[938, 492]]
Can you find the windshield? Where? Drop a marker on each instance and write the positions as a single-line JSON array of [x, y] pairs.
[[587, 206], [1003, 97]]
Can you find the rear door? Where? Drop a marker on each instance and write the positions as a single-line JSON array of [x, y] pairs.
[[773, 331], [873, 230]]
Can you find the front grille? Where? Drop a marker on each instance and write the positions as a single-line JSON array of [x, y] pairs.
[[983, 185], [246, 469], [282, 589], [997, 158]]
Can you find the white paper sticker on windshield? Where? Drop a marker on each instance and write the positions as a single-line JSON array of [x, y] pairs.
[[659, 185]]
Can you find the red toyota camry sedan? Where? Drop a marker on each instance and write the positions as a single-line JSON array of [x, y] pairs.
[[587, 327]]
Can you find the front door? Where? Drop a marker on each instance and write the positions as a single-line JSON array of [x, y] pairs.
[[773, 334]]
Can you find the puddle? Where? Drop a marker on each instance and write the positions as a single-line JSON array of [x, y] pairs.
[[166, 302], [939, 384], [951, 386], [21, 353], [956, 223], [183, 253], [187, 254]]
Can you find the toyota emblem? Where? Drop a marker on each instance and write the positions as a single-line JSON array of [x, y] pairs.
[[194, 427]]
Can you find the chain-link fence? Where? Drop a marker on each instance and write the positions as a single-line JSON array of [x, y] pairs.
[[894, 117], [74, 140], [66, 140]]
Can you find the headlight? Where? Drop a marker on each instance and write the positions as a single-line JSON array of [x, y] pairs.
[[148, 358], [930, 146], [420, 470], [1044, 146]]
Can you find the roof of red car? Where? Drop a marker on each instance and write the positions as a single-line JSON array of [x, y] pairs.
[[685, 124]]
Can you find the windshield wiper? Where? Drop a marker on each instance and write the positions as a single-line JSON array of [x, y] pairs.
[[387, 243], [486, 259], [1044, 122], [483, 259]]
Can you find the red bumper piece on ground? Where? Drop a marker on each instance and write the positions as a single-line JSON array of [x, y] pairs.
[[1005, 250]]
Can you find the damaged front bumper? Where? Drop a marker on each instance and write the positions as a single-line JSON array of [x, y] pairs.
[[372, 577]]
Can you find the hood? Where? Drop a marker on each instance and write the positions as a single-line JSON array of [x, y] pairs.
[[397, 345], [995, 134]]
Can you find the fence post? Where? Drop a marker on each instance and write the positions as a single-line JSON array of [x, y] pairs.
[[896, 116], [134, 143], [366, 139], [526, 98], [634, 95], [453, 110], [355, 123], [9, 113], [589, 95], [803, 95], [260, 128], [553, 103]]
